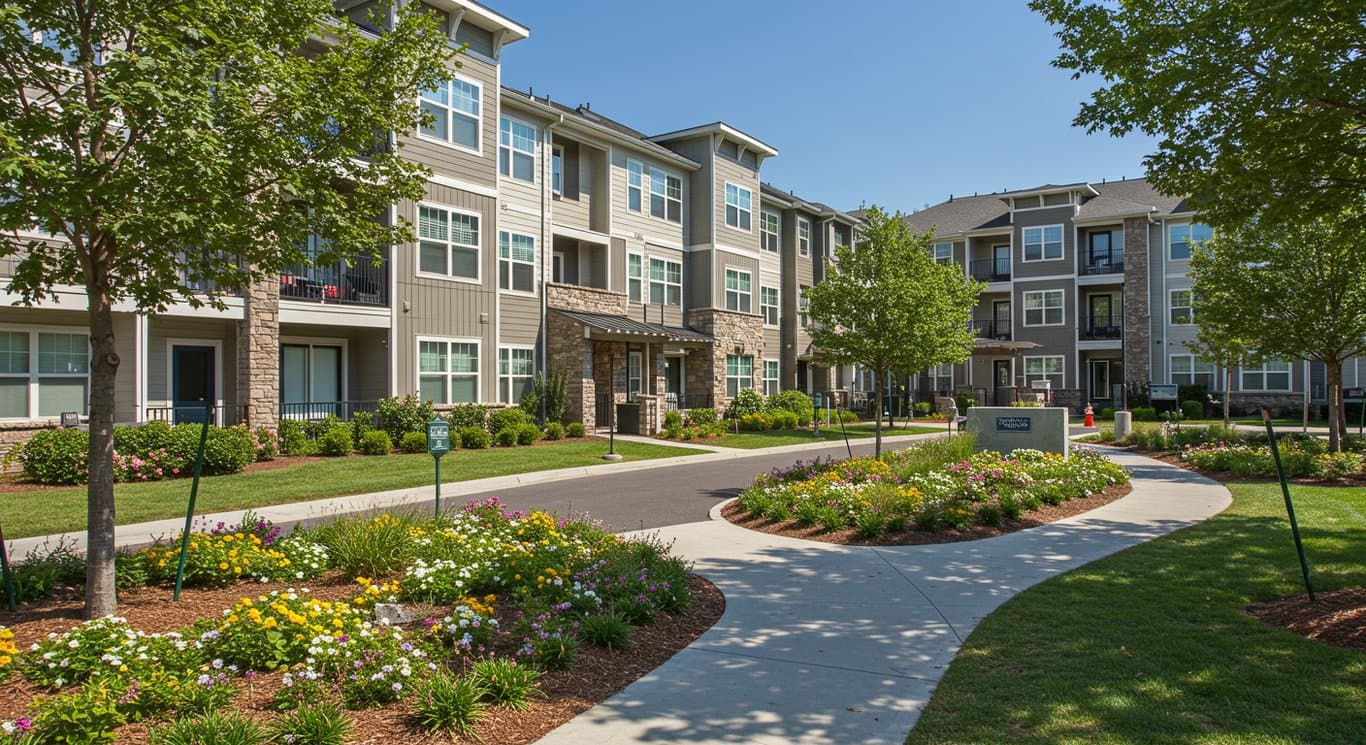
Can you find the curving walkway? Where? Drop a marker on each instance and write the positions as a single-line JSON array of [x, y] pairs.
[[837, 644]]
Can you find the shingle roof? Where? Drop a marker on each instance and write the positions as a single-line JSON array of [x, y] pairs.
[[592, 118]]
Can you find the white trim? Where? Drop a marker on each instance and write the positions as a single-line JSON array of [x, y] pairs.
[[1048, 278], [535, 251], [763, 233], [1061, 357], [479, 123], [650, 193], [651, 240], [778, 306], [725, 205], [417, 244], [1171, 306], [804, 252], [171, 343], [469, 186], [1264, 372], [763, 375], [535, 150], [644, 262], [747, 253], [556, 153], [478, 367], [1214, 370], [641, 188], [33, 388], [519, 209], [498, 371], [648, 280], [1043, 254], [343, 384], [1024, 306], [725, 291], [579, 234], [299, 311]]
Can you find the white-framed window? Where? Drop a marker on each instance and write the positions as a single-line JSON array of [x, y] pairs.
[[557, 170], [1180, 238], [941, 378], [516, 370], [1180, 310], [738, 207], [517, 150], [770, 377], [516, 262], [666, 282], [768, 304], [635, 374], [311, 373], [448, 243], [448, 371], [666, 195], [1044, 368], [43, 373], [943, 253], [768, 230], [739, 291], [1043, 308], [635, 184], [803, 236], [1043, 243], [1273, 375], [739, 373], [453, 108], [1189, 369], [803, 304], [635, 274]]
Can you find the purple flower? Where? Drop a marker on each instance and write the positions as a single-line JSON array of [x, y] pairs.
[[23, 724]]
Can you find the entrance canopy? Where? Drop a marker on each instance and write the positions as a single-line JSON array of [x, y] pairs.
[[986, 347], [605, 327]]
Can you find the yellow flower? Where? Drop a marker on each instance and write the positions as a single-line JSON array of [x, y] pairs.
[[270, 623], [223, 565]]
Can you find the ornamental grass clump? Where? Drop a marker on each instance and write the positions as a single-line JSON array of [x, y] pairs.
[[506, 683], [446, 703]]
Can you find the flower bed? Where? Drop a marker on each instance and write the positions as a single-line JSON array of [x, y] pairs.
[[1215, 449], [486, 583], [927, 488]]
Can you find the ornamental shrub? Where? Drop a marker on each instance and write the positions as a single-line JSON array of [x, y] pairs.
[[506, 438], [1107, 413], [336, 442], [399, 416], [673, 419], [362, 422], [922, 408], [701, 417], [799, 404], [294, 440], [57, 456], [415, 442], [1192, 409], [1144, 414], [143, 438], [754, 422], [747, 401], [527, 434], [468, 415], [475, 438], [226, 450], [267, 443], [575, 429], [554, 431], [509, 418], [782, 419], [376, 442]]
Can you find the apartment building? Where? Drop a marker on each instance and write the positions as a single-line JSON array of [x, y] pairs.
[[1087, 290], [658, 271]]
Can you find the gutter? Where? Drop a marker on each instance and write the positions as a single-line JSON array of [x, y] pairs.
[[547, 253]]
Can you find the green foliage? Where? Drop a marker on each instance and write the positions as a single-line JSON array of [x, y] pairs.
[[336, 442], [475, 438], [530, 402], [555, 392], [554, 431], [702, 417], [368, 547], [214, 728], [130, 570], [416, 442], [1023, 405], [321, 723], [506, 438], [46, 568], [528, 434], [143, 438], [754, 422], [57, 456], [1107, 414], [574, 429], [506, 683], [399, 416], [747, 401], [607, 630], [509, 418], [796, 402], [294, 440], [87, 716], [464, 416], [362, 423], [922, 408], [964, 403], [446, 703], [226, 449], [673, 419], [1144, 414], [267, 443], [376, 442], [1192, 409], [782, 419]]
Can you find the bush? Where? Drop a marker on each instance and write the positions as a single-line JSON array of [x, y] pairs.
[[1144, 414], [846, 416], [554, 431], [468, 415], [782, 419], [1192, 409], [143, 438], [510, 418], [702, 418], [46, 568], [505, 438], [475, 438], [450, 704], [227, 449], [799, 404], [376, 442], [336, 442], [328, 423], [1107, 414], [747, 401], [754, 422], [921, 408], [362, 422], [368, 547], [57, 456], [963, 403], [414, 442], [673, 419], [575, 429], [399, 416], [267, 443], [528, 433], [294, 440], [530, 402]]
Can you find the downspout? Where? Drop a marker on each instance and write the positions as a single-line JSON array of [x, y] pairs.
[[547, 253]]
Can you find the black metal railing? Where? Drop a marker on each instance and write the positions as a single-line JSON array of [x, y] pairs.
[[990, 270], [193, 413], [314, 410], [1101, 327], [603, 403], [998, 329], [695, 401], [365, 282], [1112, 264]]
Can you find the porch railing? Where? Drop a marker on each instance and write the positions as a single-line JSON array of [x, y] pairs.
[[1112, 264], [990, 270], [364, 282], [314, 410], [193, 413], [1101, 327], [997, 328]]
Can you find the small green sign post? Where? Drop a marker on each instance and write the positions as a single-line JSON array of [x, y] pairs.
[[438, 444]]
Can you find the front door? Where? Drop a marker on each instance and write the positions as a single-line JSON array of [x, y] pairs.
[[1000, 311], [1000, 376], [1100, 380], [192, 382], [1099, 251], [1100, 322]]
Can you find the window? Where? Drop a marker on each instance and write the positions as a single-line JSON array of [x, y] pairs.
[[666, 196], [516, 262], [453, 111], [737, 207], [666, 282], [1273, 375], [802, 304], [943, 253], [310, 374], [634, 182], [59, 382], [1044, 368], [1043, 244], [634, 276], [635, 374], [738, 290], [803, 236], [1188, 369], [1180, 309], [516, 366], [448, 242], [557, 170], [770, 377], [517, 150], [1181, 237], [768, 304], [941, 379], [739, 373], [448, 371], [768, 230], [1043, 308]]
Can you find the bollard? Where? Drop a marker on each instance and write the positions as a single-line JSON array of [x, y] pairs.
[[1124, 424]]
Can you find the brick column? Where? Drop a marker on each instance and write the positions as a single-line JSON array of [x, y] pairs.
[[258, 355], [1137, 314]]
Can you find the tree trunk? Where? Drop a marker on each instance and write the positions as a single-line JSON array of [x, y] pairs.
[[1228, 388], [100, 599], [877, 428], [1334, 404]]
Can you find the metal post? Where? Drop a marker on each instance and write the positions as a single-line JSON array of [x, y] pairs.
[[844, 432], [1289, 505], [189, 512], [10, 593], [436, 507]]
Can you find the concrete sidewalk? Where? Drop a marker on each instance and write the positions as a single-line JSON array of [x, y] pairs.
[[838, 644]]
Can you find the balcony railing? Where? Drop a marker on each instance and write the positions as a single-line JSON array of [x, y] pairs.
[[997, 329], [222, 416], [1094, 328], [990, 270], [365, 282], [1113, 264], [314, 410]]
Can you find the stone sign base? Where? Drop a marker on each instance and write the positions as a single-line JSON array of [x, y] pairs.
[[1002, 429]]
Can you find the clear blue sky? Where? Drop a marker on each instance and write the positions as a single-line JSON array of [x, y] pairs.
[[896, 102]]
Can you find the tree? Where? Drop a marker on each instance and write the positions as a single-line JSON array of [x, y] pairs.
[[1298, 289], [1223, 347], [1260, 106], [887, 305], [169, 144]]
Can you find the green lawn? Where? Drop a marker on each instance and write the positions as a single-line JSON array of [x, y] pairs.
[[61, 510], [774, 438], [1150, 645]]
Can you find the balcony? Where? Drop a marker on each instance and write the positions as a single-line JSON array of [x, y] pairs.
[[364, 282], [1096, 265], [1097, 328], [997, 329], [990, 270]]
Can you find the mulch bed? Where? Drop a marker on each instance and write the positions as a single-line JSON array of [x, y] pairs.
[[1357, 479], [850, 537], [1337, 617], [596, 674]]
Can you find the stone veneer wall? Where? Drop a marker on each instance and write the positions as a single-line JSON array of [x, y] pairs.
[[730, 330], [587, 299], [1137, 315], [258, 355], [1253, 402], [571, 352]]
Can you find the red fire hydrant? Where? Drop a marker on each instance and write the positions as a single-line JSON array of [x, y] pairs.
[[1090, 420]]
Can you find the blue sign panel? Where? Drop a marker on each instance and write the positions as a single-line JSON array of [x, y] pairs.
[[1013, 423]]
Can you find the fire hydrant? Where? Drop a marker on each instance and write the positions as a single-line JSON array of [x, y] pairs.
[[1090, 420]]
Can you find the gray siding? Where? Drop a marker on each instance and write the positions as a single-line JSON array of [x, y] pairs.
[[445, 159], [1053, 340], [161, 329], [1033, 218]]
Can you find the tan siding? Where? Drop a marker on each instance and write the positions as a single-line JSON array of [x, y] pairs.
[[161, 329], [642, 223], [63, 321], [725, 260], [520, 319], [574, 208], [458, 163], [729, 170], [671, 315]]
